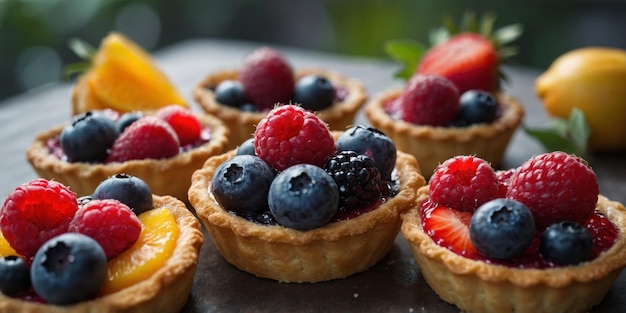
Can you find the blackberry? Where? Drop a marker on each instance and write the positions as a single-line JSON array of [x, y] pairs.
[[357, 177], [372, 143]]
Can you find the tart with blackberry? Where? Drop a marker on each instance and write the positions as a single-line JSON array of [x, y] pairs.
[[242, 97], [96, 254], [163, 149], [537, 238], [288, 209], [452, 103]]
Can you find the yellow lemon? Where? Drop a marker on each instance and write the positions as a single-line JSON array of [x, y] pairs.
[[592, 79]]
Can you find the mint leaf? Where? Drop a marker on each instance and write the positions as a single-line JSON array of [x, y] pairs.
[[408, 53], [75, 68], [563, 135], [82, 49]]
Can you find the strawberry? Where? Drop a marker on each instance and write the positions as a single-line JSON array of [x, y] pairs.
[[429, 100], [148, 138], [267, 78], [449, 228], [469, 60]]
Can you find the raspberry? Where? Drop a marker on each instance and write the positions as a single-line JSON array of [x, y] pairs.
[[36, 212], [290, 135], [429, 100], [504, 180], [555, 186], [184, 123], [147, 138], [109, 222], [267, 78], [357, 177], [463, 183]]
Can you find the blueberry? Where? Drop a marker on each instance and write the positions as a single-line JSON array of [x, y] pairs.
[[241, 184], [230, 93], [303, 197], [314, 92], [126, 119], [68, 268], [477, 106], [566, 243], [88, 137], [372, 143], [502, 228], [246, 148], [128, 189], [14, 275]]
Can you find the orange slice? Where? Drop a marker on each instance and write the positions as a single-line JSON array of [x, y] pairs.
[[5, 247], [124, 77], [154, 246]]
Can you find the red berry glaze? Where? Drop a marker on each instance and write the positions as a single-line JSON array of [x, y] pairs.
[[148, 138], [463, 183], [184, 123], [109, 222], [603, 232], [469, 60], [448, 228], [36, 212], [429, 100], [267, 78], [290, 135], [555, 186]]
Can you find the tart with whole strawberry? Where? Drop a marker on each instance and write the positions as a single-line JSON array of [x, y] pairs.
[[452, 103], [291, 208], [242, 97], [163, 148], [120, 249], [537, 238]]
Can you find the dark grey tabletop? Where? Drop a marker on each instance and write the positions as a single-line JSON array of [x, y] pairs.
[[393, 285]]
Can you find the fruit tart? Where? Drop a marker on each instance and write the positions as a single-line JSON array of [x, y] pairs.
[[121, 249], [451, 103], [163, 149], [242, 97], [537, 238], [305, 205]]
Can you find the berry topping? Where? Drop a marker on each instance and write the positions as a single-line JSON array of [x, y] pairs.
[[230, 93], [184, 123], [69, 268], [241, 184], [463, 183], [429, 100], [290, 135], [303, 197], [314, 92], [504, 180], [602, 231], [373, 143], [502, 228], [357, 178], [128, 189], [88, 137], [246, 147], [267, 78], [109, 222], [126, 119], [14, 275], [566, 243], [555, 186], [449, 228], [477, 106], [148, 138], [36, 212]]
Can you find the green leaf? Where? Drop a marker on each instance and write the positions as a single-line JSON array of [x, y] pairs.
[[75, 68], [469, 23], [450, 25], [406, 52], [438, 35], [507, 34], [579, 129], [558, 134], [82, 49], [486, 24]]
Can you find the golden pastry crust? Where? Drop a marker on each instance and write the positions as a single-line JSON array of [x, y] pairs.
[[243, 124], [476, 286], [336, 250], [166, 290], [169, 176], [433, 145]]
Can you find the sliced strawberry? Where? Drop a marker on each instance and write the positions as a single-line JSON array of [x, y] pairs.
[[468, 59], [449, 228]]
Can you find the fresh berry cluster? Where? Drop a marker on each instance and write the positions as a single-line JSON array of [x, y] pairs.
[[539, 215], [293, 173], [434, 100], [266, 79], [106, 136], [62, 243]]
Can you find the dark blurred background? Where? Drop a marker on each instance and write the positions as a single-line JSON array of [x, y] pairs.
[[34, 33]]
